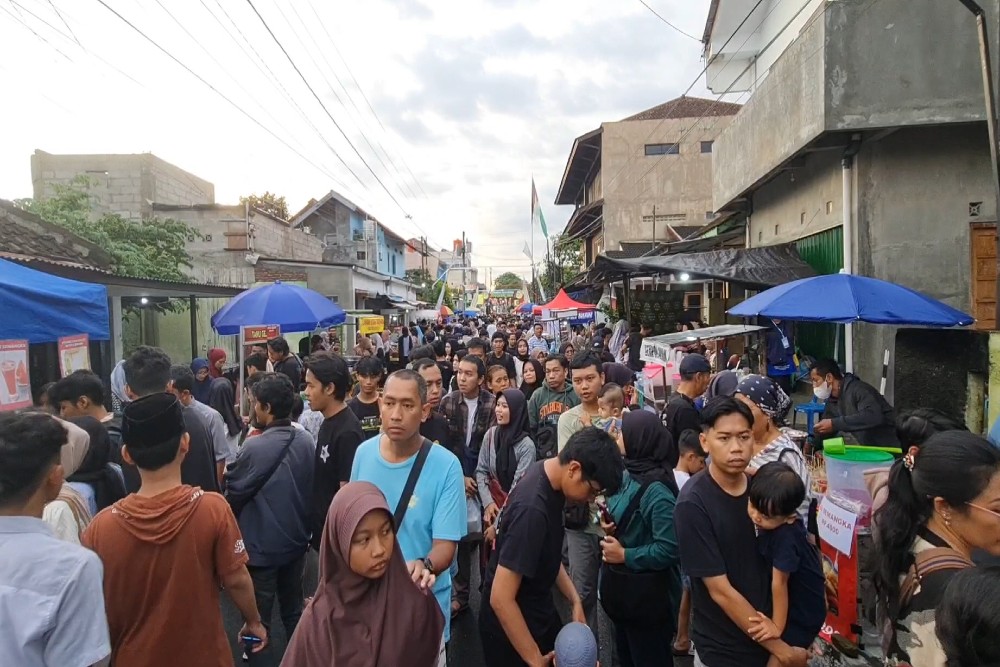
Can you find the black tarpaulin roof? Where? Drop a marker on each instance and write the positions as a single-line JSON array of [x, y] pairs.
[[752, 267]]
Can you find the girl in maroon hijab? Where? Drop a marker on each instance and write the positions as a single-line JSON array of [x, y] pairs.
[[367, 611]]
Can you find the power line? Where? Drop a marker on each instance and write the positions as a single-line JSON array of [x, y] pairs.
[[20, 19], [325, 110], [215, 90], [61, 18], [657, 15]]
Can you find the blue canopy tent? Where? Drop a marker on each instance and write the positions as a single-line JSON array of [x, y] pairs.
[[40, 308], [291, 307]]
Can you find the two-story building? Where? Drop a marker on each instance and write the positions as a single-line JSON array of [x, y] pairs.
[[864, 142], [640, 179]]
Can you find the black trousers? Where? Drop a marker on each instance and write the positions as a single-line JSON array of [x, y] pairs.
[[283, 584], [642, 647], [497, 649]]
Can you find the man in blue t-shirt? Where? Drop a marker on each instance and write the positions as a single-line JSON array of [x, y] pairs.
[[435, 518]]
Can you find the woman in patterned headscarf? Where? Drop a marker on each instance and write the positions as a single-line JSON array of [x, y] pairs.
[[769, 404]]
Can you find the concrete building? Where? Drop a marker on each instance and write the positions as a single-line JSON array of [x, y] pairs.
[[865, 143], [461, 275], [635, 179], [123, 184]]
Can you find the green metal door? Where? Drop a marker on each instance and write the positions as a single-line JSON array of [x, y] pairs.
[[824, 252]]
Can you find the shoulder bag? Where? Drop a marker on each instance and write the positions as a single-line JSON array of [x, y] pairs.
[[237, 507], [636, 598], [411, 484]]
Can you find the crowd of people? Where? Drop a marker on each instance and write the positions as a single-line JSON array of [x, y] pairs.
[[356, 504]]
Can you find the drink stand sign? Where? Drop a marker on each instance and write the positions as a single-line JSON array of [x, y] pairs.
[[15, 390], [74, 354], [839, 557], [258, 335]]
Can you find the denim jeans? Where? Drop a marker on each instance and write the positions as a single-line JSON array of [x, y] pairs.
[[283, 583], [584, 551]]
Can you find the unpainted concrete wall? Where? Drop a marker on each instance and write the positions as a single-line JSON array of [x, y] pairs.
[[675, 184], [785, 210]]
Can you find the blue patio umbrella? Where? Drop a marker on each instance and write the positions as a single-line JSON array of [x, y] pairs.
[[291, 307], [845, 298], [525, 308]]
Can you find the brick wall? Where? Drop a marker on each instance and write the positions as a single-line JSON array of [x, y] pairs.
[[267, 273]]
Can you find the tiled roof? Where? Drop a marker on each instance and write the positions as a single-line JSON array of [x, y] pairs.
[[25, 235], [688, 107]]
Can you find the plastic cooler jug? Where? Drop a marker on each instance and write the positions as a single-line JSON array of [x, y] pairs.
[[845, 473]]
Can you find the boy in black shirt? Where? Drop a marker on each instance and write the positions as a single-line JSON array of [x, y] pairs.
[[435, 425], [518, 622], [798, 593], [730, 580], [327, 381], [365, 405]]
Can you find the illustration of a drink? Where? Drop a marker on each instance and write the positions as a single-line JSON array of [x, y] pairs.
[[23, 386], [8, 369]]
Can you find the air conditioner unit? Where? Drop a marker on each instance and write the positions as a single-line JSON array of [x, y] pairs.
[[358, 236]]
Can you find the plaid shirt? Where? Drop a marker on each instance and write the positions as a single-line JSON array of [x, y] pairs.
[[455, 410]]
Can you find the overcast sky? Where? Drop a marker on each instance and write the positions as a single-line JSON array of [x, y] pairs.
[[472, 97]]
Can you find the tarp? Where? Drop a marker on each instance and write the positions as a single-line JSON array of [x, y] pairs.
[[39, 307], [562, 301], [291, 307], [753, 267]]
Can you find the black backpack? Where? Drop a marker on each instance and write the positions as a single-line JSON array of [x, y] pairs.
[[546, 441]]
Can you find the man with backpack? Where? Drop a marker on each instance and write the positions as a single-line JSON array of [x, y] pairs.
[[284, 361], [548, 403], [81, 394]]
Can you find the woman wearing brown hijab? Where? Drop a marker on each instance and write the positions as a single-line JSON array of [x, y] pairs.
[[367, 612]]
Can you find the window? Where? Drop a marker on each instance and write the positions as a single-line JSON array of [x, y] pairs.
[[362, 256], [663, 149], [664, 219], [706, 146]]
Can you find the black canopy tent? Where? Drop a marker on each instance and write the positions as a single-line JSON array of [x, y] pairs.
[[765, 266]]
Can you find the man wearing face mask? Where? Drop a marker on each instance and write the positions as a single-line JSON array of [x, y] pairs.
[[853, 407]]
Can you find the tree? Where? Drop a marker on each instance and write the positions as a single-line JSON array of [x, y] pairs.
[[507, 280], [565, 263], [428, 289], [151, 248], [269, 203]]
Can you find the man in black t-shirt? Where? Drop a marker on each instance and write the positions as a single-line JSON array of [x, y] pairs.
[[730, 580], [680, 413], [365, 405], [435, 426], [499, 357], [527, 560], [327, 381], [284, 361], [635, 347]]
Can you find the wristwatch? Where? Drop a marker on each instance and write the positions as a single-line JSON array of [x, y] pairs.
[[428, 565]]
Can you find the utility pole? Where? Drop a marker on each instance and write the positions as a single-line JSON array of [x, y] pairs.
[[652, 241], [465, 281], [991, 122]]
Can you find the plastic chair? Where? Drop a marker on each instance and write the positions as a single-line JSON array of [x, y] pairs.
[[810, 410]]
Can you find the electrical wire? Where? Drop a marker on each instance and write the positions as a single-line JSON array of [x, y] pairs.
[[61, 18], [20, 19], [215, 90], [657, 15], [319, 100]]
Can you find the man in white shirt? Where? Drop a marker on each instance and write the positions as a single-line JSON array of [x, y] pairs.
[[51, 592]]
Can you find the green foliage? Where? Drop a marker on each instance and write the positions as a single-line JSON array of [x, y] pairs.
[[152, 248], [507, 280], [565, 262], [269, 203], [427, 289]]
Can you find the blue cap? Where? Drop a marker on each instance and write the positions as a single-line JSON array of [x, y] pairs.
[[576, 646]]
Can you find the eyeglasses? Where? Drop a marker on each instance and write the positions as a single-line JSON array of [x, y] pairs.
[[985, 509]]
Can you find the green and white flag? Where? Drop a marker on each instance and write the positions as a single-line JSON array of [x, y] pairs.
[[536, 211]]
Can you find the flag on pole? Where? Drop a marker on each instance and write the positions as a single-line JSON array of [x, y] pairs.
[[536, 211], [442, 271], [527, 251]]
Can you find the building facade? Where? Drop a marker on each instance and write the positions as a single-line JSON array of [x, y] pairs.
[[638, 179], [865, 144]]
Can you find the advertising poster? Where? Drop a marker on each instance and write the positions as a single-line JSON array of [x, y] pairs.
[[260, 334], [371, 324], [74, 354], [841, 574], [15, 390]]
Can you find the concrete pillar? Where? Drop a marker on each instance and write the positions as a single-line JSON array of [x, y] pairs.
[[117, 343]]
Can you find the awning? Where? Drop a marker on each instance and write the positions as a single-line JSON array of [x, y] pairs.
[[657, 349], [751, 267]]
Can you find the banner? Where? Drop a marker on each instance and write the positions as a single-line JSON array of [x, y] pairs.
[[15, 390], [840, 573], [74, 354], [371, 324], [260, 334]]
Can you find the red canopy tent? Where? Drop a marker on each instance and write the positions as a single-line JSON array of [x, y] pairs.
[[562, 301]]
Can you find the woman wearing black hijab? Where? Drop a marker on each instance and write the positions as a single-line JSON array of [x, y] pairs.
[[506, 453], [96, 470], [536, 372], [640, 583]]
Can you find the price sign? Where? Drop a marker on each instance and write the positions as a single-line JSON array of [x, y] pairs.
[[260, 334], [372, 324]]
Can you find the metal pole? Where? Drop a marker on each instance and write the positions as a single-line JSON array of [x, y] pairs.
[[652, 241], [991, 121], [193, 306]]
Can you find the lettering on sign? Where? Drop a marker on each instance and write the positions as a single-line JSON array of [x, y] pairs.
[[371, 324], [836, 526], [655, 353], [261, 333]]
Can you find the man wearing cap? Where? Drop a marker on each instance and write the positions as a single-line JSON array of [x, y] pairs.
[[166, 550], [680, 413]]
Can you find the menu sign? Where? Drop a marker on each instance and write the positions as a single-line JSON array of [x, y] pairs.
[[15, 389], [74, 354], [260, 334], [371, 324]]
